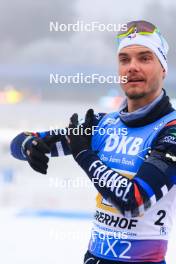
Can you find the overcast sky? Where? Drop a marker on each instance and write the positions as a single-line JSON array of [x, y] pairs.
[[26, 40]]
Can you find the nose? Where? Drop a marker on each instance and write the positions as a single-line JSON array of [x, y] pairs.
[[133, 66]]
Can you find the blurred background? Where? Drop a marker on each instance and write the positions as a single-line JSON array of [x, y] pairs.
[[47, 219]]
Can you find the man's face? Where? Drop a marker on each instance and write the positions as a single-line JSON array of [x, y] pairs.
[[143, 70]]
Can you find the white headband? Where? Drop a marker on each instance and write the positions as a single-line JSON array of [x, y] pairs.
[[154, 41]]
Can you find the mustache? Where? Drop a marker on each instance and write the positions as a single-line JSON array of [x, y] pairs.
[[133, 78]]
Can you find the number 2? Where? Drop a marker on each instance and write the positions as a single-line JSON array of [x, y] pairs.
[[122, 255], [162, 215]]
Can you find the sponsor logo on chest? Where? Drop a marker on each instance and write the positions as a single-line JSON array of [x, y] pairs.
[[123, 144]]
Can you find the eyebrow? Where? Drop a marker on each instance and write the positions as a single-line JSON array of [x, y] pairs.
[[140, 53]]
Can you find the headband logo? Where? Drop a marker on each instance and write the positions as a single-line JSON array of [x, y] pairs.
[[134, 34]]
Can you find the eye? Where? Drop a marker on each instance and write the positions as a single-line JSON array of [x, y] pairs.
[[124, 60], [145, 58]]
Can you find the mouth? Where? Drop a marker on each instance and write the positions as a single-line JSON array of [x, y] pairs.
[[135, 80]]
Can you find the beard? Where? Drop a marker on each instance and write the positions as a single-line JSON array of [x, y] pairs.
[[135, 96]]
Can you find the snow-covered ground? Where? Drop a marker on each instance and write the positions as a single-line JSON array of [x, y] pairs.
[[42, 240]]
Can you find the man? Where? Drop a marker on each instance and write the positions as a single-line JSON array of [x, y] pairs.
[[132, 164]]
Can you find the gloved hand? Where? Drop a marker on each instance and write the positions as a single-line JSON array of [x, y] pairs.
[[79, 141], [36, 149]]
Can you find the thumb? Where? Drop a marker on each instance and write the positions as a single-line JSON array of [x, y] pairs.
[[73, 121]]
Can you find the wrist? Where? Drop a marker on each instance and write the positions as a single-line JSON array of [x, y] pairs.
[[76, 156], [85, 156]]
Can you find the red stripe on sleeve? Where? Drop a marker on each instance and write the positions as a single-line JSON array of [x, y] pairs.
[[137, 195], [171, 123]]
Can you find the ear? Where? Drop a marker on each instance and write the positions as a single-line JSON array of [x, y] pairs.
[[164, 73]]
